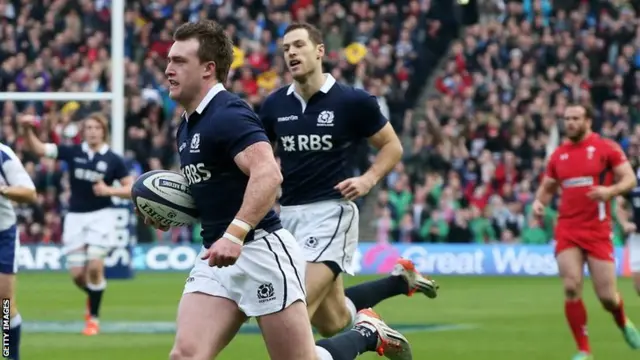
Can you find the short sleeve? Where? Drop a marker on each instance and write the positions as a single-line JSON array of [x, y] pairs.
[[268, 121], [13, 171], [120, 169], [551, 168], [238, 129], [615, 155], [367, 115], [60, 152]]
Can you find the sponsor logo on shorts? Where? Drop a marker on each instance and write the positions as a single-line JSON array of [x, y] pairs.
[[266, 293], [311, 243]]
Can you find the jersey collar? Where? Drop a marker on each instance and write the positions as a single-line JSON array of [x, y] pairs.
[[103, 149], [328, 84], [207, 99]]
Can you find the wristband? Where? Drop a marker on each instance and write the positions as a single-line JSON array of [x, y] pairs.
[[242, 224], [233, 238]]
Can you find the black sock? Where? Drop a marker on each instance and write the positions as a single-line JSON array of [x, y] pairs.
[[14, 337], [95, 298], [369, 294], [348, 345]]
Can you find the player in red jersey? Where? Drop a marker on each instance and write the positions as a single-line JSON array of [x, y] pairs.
[[590, 171]]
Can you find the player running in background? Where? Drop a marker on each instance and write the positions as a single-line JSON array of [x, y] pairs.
[[585, 168], [631, 224], [15, 185], [316, 122], [90, 220]]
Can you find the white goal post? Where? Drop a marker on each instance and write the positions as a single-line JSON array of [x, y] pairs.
[[116, 96]]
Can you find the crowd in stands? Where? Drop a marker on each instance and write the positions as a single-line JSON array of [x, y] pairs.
[[385, 47], [476, 156]]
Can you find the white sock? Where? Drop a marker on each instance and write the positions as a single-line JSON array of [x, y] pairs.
[[97, 287], [15, 321], [352, 310], [323, 354]]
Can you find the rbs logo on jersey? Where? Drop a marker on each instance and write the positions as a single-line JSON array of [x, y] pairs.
[[306, 143], [196, 173]]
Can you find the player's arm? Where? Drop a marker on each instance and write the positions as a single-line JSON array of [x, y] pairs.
[[250, 148], [34, 144], [370, 123], [20, 187], [547, 188], [126, 182], [623, 215], [389, 153], [626, 179]]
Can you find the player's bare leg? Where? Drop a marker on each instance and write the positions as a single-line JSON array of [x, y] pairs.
[[76, 262], [570, 265], [205, 325], [369, 333], [287, 333], [7, 291], [603, 275], [331, 315], [96, 285], [636, 281]]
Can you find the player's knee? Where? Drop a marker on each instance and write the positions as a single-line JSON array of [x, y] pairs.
[[572, 288], [608, 301], [334, 324], [184, 351]]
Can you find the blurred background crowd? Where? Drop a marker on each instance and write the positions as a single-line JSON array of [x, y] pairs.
[[478, 107]]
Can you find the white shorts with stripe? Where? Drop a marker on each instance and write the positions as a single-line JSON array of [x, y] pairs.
[[633, 244], [267, 278], [326, 230]]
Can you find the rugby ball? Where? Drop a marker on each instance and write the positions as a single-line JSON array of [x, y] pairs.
[[164, 196]]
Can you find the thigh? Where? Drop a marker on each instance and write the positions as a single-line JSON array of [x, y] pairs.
[[320, 279], [603, 276], [332, 312], [7, 285], [205, 325], [269, 274], [9, 246], [329, 233], [287, 334], [571, 262], [73, 233]]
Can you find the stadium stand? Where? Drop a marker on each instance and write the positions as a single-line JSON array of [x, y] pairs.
[[475, 160], [388, 48]]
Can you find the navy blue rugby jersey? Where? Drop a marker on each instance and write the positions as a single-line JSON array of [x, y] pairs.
[[85, 169], [633, 197], [316, 139], [222, 126]]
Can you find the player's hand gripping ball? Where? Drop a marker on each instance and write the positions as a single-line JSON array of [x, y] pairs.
[[164, 200], [222, 253]]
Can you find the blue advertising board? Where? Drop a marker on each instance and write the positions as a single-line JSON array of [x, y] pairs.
[[471, 259]]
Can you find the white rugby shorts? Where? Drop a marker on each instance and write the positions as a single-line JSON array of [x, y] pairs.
[[326, 230], [97, 228], [633, 244], [267, 278]]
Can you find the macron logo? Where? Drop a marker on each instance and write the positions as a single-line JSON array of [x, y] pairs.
[[288, 118]]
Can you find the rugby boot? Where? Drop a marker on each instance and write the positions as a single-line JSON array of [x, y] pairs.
[[91, 328], [582, 356], [391, 344], [417, 282], [631, 335]]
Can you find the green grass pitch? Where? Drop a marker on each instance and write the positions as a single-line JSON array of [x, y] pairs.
[[483, 318]]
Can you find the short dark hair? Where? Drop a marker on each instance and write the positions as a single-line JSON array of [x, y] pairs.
[[314, 33], [589, 112], [215, 45]]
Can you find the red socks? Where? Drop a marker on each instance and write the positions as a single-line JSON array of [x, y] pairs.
[[618, 314], [577, 318]]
